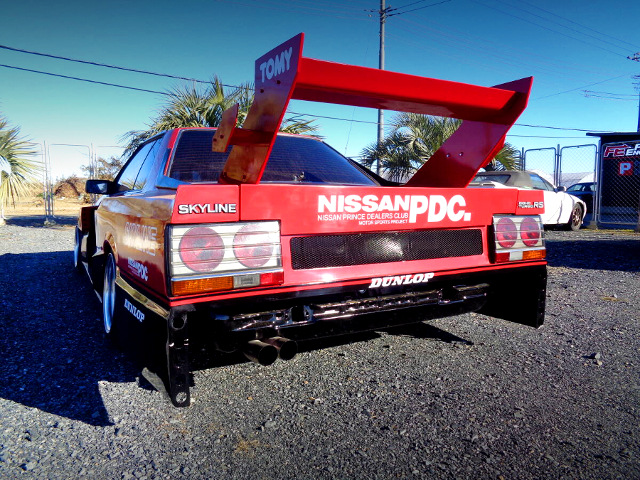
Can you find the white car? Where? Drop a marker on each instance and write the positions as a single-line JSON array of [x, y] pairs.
[[560, 208]]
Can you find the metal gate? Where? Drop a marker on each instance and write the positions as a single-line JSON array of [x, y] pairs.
[[544, 161], [565, 167]]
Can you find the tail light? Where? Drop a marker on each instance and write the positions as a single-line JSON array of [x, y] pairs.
[[252, 246], [518, 238], [530, 231], [226, 256], [201, 249], [506, 232]]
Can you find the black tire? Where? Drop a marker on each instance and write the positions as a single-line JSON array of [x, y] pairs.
[[109, 300], [77, 253], [575, 221]]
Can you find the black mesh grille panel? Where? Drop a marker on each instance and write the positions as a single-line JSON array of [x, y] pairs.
[[367, 248]]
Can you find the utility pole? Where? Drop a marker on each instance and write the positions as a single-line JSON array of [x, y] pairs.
[[637, 77], [384, 13], [383, 19]]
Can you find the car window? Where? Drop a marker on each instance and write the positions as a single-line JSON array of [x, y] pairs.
[[143, 175], [127, 177], [292, 160], [481, 178], [575, 188], [539, 183]]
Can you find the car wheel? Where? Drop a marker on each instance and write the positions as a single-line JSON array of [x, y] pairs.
[[575, 221], [109, 298], [77, 262]]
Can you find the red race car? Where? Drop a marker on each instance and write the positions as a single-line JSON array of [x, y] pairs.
[[263, 239]]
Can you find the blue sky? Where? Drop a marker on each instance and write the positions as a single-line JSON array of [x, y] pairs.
[[567, 45]]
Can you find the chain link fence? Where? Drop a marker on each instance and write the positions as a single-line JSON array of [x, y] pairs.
[[619, 186], [542, 161], [573, 167], [577, 165]]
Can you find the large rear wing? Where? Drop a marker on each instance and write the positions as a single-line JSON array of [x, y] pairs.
[[284, 74]]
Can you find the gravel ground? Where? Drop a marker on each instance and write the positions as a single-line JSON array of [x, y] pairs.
[[461, 397]]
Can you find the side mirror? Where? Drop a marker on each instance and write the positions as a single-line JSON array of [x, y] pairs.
[[561, 189], [101, 187]]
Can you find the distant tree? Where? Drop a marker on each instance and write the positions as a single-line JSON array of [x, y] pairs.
[[105, 169], [414, 138], [19, 168], [507, 159], [194, 106]]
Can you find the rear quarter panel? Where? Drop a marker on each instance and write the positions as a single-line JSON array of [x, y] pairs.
[[133, 227]]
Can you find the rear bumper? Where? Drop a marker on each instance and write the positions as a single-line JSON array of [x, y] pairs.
[[161, 337], [514, 294]]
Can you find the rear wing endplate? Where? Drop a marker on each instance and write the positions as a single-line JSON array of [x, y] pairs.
[[284, 74]]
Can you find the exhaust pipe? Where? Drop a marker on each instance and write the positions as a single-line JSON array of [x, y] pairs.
[[260, 352], [287, 349]]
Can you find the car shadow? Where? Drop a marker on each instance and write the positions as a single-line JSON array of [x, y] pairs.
[[54, 354], [205, 358], [589, 252], [41, 221]]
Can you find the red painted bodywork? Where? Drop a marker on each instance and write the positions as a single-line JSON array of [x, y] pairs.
[[253, 266], [488, 114]]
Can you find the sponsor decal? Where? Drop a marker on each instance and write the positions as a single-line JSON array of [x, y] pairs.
[[400, 280], [530, 204], [277, 65], [392, 209], [188, 208], [134, 311], [623, 150], [138, 269], [140, 237], [625, 168]]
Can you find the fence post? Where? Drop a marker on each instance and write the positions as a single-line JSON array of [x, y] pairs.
[[637, 229]]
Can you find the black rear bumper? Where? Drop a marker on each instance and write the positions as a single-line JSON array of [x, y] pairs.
[[162, 343]]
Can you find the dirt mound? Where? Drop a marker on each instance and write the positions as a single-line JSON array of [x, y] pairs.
[[71, 187]]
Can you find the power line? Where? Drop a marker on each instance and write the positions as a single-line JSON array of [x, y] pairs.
[[414, 9], [584, 86], [559, 128], [606, 97], [359, 9], [308, 8], [454, 40], [561, 25], [547, 28], [536, 136], [458, 36], [576, 23], [84, 80], [404, 6], [297, 11], [97, 64], [611, 93], [333, 118], [293, 113]]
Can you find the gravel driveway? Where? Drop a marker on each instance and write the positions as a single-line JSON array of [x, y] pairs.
[[461, 397]]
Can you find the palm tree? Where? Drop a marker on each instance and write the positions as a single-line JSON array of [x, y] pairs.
[[414, 138], [18, 167], [192, 106]]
